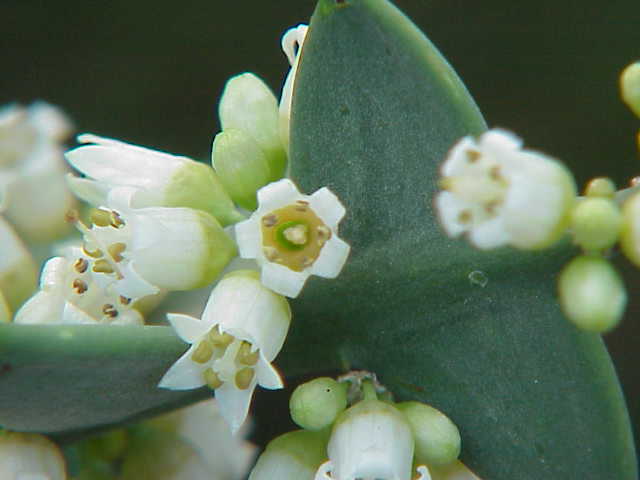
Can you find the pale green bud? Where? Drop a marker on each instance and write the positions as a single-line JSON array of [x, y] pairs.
[[316, 404], [630, 87], [18, 271], [601, 187], [596, 223], [592, 294], [247, 104], [241, 166], [630, 234], [437, 439], [292, 456]]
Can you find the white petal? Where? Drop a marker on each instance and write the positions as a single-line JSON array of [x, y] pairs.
[[50, 120], [249, 237], [277, 195], [185, 374], [457, 160], [423, 473], [490, 234], [327, 206], [448, 207], [74, 315], [133, 285], [88, 190], [332, 258], [292, 42], [129, 317], [499, 143], [43, 307], [234, 403], [188, 328], [282, 280], [267, 375]]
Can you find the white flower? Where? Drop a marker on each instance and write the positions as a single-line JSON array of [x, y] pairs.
[[160, 179], [292, 42], [371, 440], [500, 194], [293, 236], [18, 272], [33, 192], [29, 456], [242, 330]]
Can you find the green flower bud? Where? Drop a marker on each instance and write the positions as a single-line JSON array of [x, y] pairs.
[[592, 294], [292, 456], [437, 439], [630, 87], [18, 272], [596, 223], [316, 404], [630, 234], [241, 165], [600, 187]]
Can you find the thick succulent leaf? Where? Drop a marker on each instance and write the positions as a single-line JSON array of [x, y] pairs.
[[375, 110]]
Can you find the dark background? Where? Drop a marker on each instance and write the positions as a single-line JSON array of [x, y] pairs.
[[150, 72]]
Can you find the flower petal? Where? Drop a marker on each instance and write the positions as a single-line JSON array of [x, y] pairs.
[[278, 194], [282, 280], [449, 207], [327, 206], [234, 403], [185, 374], [489, 234], [332, 258], [88, 190], [188, 328], [268, 376], [249, 237]]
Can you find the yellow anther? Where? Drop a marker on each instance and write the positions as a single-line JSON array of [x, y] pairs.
[[109, 310], [306, 262], [203, 352], [245, 356], [473, 156], [465, 216], [219, 340], [79, 286], [323, 233], [269, 220], [125, 300], [301, 205], [102, 266], [116, 249], [116, 220], [97, 253], [101, 218], [212, 379], [81, 265], [297, 234], [271, 253], [244, 377], [446, 183], [71, 216]]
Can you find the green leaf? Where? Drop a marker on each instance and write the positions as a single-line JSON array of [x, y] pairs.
[[375, 110]]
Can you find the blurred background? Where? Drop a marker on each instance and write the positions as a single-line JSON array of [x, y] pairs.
[[151, 72]]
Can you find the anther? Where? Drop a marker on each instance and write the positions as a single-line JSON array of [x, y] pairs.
[[269, 220], [101, 218], [109, 310], [212, 379], [306, 262], [71, 216], [271, 253], [244, 377], [245, 356], [473, 156], [116, 220], [324, 233], [79, 286], [203, 352], [97, 253], [124, 300], [102, 266], [301, 205], [115, 250], [464, 216], [217, 339], [81, 265], [494, 173]]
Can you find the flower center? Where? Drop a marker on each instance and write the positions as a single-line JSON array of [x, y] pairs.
[[293, 236]]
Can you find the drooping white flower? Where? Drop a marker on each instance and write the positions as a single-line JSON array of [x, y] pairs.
[[371, 440], [293, 236], [500, 194], [242, 329], [33, 193], [160, 179], [29, 456], [292, 42]]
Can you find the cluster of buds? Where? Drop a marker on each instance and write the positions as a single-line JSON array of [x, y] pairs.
[[373, 438]]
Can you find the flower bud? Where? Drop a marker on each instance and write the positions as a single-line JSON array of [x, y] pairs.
[[600, 187], [592, 294], [316, 404], [437, 439], [30, 456], [630, 87], [596, 223], [630, 234], [241, 165]]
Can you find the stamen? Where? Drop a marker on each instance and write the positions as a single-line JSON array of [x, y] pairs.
[[102, 266], [297, 234], [301, 205], [212, 379], [101, 218], [203, 352], [116, 249], [244, 377], [473, 156], [81, 265], [494, 173], [271, 253], [245, 356], [306, 262], [465, 216], [125, 300], [217, 339], [97, 253], [79, 286], [71, 216], [324, 233], [116, 220], [109, 310], [269, 220]]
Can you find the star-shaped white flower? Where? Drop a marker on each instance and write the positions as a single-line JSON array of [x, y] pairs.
[[500, 194], [243, 327], [293, 236]]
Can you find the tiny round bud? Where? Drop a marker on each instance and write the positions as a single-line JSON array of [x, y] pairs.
[[600, 187], [316, 404], [592, 294], [596, 223], [630, 234], [437, 439], [630, 87]]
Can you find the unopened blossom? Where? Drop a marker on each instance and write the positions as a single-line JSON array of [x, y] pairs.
[[371, 440], [29, 456], [243, 327], [500, 194], [292, 42], [158, 179], [33, 193], [293, 236]]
